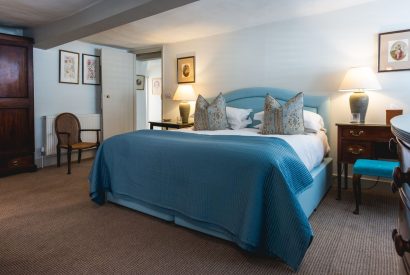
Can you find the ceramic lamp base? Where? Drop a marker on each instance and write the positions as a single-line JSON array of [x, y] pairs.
[[358, 104], [184, 109]]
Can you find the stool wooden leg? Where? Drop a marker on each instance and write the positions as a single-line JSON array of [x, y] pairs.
[[360, 190], [346, 170], [356, 190], [339, 181]]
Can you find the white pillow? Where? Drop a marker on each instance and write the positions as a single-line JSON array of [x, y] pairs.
[[259, 116], [313, 122], [245, 123], [238, 118]]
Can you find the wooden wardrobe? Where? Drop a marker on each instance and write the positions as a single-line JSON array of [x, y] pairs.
[[16, 105]]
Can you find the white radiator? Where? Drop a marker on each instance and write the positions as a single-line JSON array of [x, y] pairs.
[[89, 121]]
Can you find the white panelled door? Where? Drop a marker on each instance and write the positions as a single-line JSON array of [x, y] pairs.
[[118, 92]]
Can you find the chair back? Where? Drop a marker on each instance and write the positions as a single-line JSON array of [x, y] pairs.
[[67, 122]]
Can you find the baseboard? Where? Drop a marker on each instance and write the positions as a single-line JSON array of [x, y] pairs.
[[52, 160]]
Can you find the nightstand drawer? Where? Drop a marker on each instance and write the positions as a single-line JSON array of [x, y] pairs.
[[365, 133], [352, 150]]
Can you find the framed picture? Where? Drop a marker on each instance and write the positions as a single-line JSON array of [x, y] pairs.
[[91, 69], [140, 81], [69, 67], [156, 86], [186, 69], [394, 51]]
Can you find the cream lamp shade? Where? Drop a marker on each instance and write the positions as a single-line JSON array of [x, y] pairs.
[[184, 93], [358, 80]]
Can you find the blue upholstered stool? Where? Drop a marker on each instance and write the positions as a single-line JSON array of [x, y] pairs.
[[370, 167]]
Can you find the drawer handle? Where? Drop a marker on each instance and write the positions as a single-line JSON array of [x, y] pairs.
[[399, 178], [354, 151], [401, 245], [356, 133], [15, 162]]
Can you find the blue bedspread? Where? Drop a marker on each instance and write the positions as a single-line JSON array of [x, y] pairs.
[[246, 186]]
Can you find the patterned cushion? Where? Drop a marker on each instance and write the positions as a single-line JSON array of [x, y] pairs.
[[283, 120], [210, 116], [269, 123], [201, 114]]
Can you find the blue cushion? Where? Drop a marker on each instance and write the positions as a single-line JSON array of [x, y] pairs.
[[378, 168]]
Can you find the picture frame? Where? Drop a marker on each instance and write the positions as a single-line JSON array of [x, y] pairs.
[[186, 69], [91, 72], [69, 65], [394, 51], [140, 82], [156, 86]]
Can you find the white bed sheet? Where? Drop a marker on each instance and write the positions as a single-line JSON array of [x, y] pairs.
[[311, 148]]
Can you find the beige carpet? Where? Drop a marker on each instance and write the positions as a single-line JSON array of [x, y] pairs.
[[48, 225]]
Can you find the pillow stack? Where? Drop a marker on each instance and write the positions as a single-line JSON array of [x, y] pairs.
[[313, 122], [289, 119], [216, 116]]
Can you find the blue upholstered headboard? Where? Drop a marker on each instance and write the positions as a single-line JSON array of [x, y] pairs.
[[254, 98]]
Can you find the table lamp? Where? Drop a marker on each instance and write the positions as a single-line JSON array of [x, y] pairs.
[[358, 80], [184, 93]]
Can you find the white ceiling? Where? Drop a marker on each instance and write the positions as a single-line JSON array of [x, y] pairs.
[[211, 17], [33, 13]]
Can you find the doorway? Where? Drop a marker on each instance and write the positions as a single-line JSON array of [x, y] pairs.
[[149, 89]]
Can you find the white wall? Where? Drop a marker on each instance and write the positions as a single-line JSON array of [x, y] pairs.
[[52, 97], [309, 54], [149, 106], [141, 98], [154, 70]]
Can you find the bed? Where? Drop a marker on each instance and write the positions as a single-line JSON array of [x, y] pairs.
[[253, 191]]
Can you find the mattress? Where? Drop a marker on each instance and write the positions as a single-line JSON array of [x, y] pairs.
[[311, 148]]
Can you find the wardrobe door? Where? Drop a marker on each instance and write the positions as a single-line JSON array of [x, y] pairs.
[[16, 105]]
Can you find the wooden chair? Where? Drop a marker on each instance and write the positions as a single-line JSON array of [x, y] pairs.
[[68, 131]]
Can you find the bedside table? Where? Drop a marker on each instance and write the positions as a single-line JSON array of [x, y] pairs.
[[169, 124], [360, 140]]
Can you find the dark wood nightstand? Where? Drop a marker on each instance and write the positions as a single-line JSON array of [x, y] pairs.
[[360, 140], [169, 124]]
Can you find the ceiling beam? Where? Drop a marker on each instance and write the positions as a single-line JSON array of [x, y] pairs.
[[103, 16]]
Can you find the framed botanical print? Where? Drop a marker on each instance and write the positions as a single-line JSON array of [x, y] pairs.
[[91, 69], [69, 67], [140, 82], [156, 86], [186, 69], [394, 51]]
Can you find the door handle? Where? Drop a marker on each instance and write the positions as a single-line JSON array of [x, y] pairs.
[[355, 151], [356, 133]]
